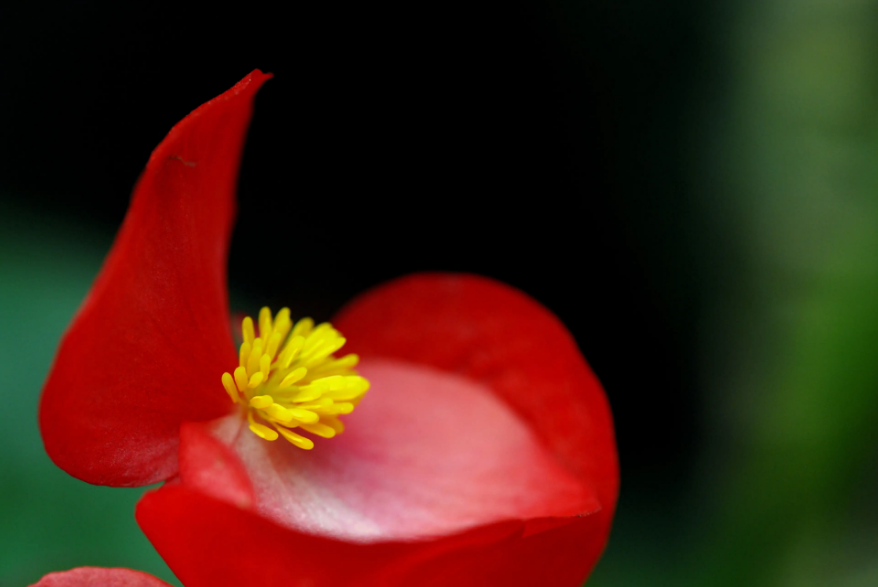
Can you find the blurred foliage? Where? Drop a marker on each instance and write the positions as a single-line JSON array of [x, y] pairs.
[[50, 521], [786, 175]]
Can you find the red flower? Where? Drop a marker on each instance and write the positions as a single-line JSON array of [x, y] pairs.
[[483, 454], [95, 576]]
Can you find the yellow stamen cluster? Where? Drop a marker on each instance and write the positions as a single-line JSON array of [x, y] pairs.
[[288, 378]]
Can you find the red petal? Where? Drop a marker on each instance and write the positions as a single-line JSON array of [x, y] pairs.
[[94, 576], [149, 344], [496, 335], [209, 466], [208, 542], [425, 454]]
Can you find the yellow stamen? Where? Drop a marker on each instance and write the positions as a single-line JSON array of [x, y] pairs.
[[264, 323], [261, 430], [296, 375], [296, 439], [293, 346], [319, 429], [303, 327], [336, 367], [241, 378], [333, 423], [288, 377], [278, 412], [244, 353], [342, 408], [247, 329], [256, 354], [306, 395], [229, 384], [273, 343], [264, 365], [322, 403], [261, 401], [282, 323], [256, 380], [306, 416]]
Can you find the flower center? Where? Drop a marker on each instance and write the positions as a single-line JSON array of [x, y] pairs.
[[288, 378]]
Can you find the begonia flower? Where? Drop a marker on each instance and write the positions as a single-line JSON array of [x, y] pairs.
[[482, 454], [97, 576]]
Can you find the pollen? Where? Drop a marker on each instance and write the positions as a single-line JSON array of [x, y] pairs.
[[288, 378]]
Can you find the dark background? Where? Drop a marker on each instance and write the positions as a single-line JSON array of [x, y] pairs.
[[629, 164], [507, 141]]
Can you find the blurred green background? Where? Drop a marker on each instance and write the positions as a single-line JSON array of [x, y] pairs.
[[783, 166], [50, 521], [722, 158]]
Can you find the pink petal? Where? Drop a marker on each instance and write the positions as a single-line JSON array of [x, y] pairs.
[[426, 453], [495, 334]]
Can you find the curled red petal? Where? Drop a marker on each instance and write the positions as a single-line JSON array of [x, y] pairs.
[[496, 335], [208, 542], [147, 348], [94, 576]]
